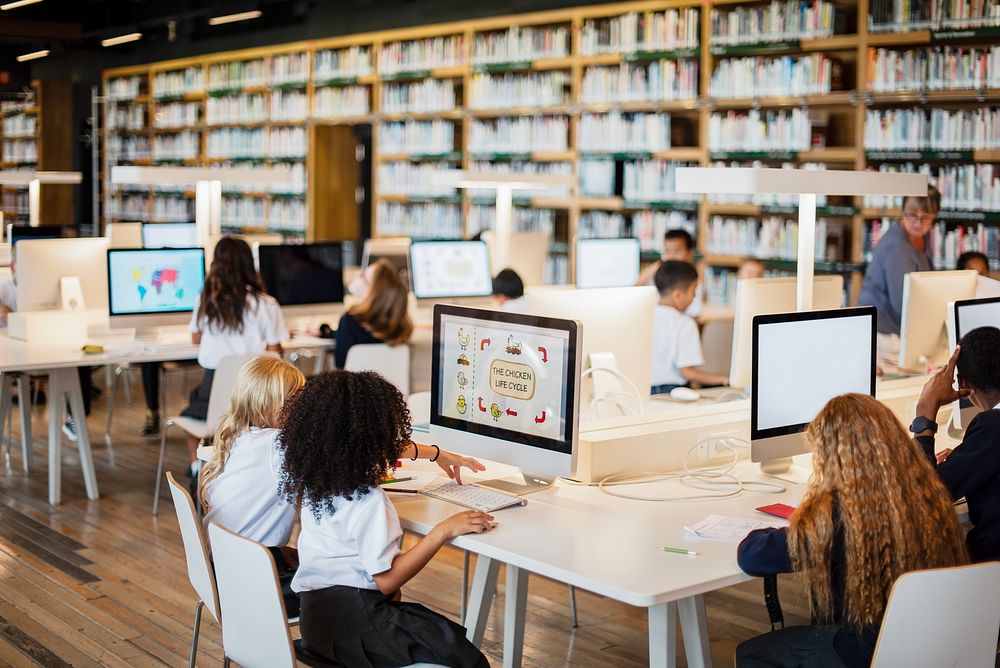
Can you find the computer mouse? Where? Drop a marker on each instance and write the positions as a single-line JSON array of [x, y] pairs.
[[684, 394]]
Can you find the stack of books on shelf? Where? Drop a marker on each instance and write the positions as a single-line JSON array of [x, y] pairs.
[[519, 135], [483, 217], [756, 130], [233, 109], [287, 215], [519, 44], [933, 68], [290, 69], [414, 179], [932, 129], [178, 83], [289, 105], [556, 270], [336, 64], [665, 30], [947, 244], [430, 220], [597, 177], [772, 237], [15, 202], [421, 54], [764, 199], [898, 15], [974, 187], [653, 181], [759, 76], [123, 88], [237, 74], [651, 226], [243, 212], [775, 22], [180, 146], [509, 89], [167, 116], [416, 137], [19, 126], [127, 207], [720, 286], [618, 132], [422, 96], [523, 167], [236, 143], [287, 143], [21, 151], [641, 82], [340, 101], [125, 149]]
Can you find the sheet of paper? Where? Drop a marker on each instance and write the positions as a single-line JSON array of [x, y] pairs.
[[729, 529]]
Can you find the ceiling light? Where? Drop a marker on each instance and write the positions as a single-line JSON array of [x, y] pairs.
[[122, 39], [233, 18], [17, 3], [33, 55]]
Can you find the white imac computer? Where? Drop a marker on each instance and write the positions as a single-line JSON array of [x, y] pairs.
[[306, 279], [152, 287], [801, 361], [923, 339], [505, 387], [607, 263], [448, 269], [760, 296], [124, 235], [396, 250], [43, 263], [169, 235], [964, 316]]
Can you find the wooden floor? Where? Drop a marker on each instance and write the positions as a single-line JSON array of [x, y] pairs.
[[103, 583]]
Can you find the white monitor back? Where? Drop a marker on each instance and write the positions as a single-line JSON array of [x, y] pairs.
[[42, 262], [124, 235], [923, 339], [529, 251], [607, 263], [615, 320], [763, 296]]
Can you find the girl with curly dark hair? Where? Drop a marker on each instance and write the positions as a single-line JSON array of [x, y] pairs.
[[340, 436]]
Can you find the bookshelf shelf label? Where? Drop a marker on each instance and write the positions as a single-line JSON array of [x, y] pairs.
[[404, 76], [436, 157], [663, 205], [943, 36], [790, 210], [969, 216], [514, 66], [907, 156], [336, 81], [754, 155], [760, 48], [669, 54]]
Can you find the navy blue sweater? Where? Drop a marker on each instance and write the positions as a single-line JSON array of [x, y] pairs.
[[350, 333], [973, 471]]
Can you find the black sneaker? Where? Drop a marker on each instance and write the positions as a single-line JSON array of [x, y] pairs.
[[151, 425]]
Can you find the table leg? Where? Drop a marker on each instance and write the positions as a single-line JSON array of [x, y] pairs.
[[24, 406], [663, 635], [694, 628], [72, 382], [6, 414], [484, 588], [516, 599], [56, 402]]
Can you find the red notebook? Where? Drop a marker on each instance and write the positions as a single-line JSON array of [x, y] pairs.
[[782, 510]]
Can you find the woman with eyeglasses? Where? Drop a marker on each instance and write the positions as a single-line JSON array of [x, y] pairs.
[[905, 247]]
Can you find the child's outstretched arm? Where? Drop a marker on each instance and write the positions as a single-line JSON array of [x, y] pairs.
[[449, 462], [409, 563]]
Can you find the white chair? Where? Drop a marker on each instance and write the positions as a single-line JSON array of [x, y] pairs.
[[393, 362], [200, 571], [218, 401], [717, 346], [944, 617], [419, 404], [254, 632]]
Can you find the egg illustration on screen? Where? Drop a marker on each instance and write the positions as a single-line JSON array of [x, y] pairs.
[[462, 406]]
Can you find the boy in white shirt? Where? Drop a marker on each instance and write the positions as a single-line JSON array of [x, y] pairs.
[[676, 341]]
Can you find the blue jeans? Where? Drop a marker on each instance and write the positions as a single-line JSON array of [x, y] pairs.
[[665, 389]]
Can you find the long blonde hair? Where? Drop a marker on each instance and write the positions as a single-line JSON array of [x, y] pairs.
[[262, 386], [894, 512], [384, 311]]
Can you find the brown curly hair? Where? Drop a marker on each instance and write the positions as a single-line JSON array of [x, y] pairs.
[[341, 434]]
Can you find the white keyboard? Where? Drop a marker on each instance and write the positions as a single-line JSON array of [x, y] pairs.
[[473, 496]]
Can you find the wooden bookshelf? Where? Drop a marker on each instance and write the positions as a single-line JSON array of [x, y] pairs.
[[347, 79]]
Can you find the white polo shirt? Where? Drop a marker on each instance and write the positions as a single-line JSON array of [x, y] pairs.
[[676, 345], [244, 498], [8, 295], [358, 541], [263, 325]]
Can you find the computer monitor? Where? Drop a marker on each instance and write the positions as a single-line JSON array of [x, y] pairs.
[[306, 279], [445, 269], [607, 263], [41, 263], [760, 296], [169, 235], [616, 320], [396, 250], [964, 316], [923, 339], [505, 387], [154, 286], [124, 235], [17, 232], [801, 361]]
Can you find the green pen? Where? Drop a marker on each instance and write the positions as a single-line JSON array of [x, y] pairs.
[[679, 550]]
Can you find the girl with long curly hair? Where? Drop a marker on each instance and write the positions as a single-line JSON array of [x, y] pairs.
[[341, 434], [234, 317], [874, 510], [381, 317]]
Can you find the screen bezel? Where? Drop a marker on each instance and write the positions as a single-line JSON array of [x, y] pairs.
[[805, 316], [281, 248], [430, 242], [965, 402], [571, 327], [597, 240], [111, 251]]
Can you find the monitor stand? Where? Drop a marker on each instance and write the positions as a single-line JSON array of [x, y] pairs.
[[783, 469], [147, 334], [532, 483]]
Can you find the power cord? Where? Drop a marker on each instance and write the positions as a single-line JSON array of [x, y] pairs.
[[635, 395]]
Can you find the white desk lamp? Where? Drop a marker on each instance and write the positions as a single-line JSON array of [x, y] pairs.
[[806, 184], [208, 187], [34, 180]]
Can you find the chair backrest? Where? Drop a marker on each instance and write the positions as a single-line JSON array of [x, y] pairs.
[[200, 571], [943, 617], [222, 386], [254, 626], [419, 404], [393, 362], [717, 346]]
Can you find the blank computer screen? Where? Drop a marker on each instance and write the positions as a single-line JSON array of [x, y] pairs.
[[802, 360], [303, 273], [973, 314], [607, 263]]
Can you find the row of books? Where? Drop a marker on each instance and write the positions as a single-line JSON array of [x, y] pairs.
[[947, 244], [535, 89], [244, 211], [288, 68], [757, 130], [126, 207], [20, 150], [648, 226], [641, 82], [769, 237], [421, 54], [519, 135], [778, 21], [962, 187], [653, 181], [597, 177], [349, 62], [236, 109], [617, 131], [124, 88], [426, 95], [118, 148], [719, 285], [520, 43], [427, 220], [759, 76], [287, 215], [420, 179], [20, 125], [556, 270], [337, 101], [764, 199], [179, 82], [416, 137], [933, 129], [524, 167], [257, 143], [289, 105], [15, 202], [237, 74], [172, 210], [526, 219], [933, 68], [181, 146], [641, 31], [170, 115], [296, 185], [896, 15]]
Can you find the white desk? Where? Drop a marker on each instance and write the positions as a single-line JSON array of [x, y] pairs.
[[59, 363]]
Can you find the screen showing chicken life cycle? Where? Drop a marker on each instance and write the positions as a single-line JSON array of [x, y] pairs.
[[504, 375], [155, 281]]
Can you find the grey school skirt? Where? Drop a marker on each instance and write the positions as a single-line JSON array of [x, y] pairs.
[[364, 628]]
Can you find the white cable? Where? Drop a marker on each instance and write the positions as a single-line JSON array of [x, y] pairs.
[[640, 407]]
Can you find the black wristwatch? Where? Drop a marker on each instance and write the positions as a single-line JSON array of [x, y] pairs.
[[920, 423]]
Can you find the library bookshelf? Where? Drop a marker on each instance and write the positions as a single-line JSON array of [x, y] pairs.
[[615, 95]]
